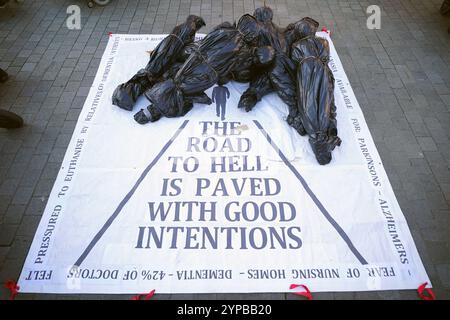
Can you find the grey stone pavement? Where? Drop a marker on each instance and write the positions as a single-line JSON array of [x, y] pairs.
[[400, 75]]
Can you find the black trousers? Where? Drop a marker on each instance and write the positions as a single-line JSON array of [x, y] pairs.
[[220, 110], [3, 75]]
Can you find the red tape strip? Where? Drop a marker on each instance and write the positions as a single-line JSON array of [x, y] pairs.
[[147, 296], [422, 289], [306, 294], [324, 29], [13, 288]]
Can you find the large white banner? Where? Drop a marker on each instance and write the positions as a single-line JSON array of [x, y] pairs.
[[203, 204]]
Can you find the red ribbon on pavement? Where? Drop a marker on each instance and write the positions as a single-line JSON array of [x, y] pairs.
[[422, 288], [147, 296], [306, 294], [324, 29], [13, 288]]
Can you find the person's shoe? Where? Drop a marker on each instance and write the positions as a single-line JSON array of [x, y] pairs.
[[3, 76]]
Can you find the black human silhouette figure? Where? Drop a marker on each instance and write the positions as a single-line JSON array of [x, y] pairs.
[[220, 95]]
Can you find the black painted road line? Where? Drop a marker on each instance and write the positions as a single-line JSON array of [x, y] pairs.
[[314, 198], [127, 197]]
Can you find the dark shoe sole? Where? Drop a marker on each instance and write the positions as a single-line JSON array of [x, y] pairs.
[[9, 120], [4, 79]]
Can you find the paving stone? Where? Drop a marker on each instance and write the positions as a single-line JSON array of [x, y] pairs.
[[30, 178], [29, 66], [14, 214], [446, 190], [7, 234], [16, 170], [19, 247], [444, 275], [27, 226], [3, 254], [22, 195], [438, 251], [427, 144], [43, 187], [9, 186]]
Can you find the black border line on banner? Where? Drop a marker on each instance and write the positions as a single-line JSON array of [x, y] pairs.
[[127, 197], [314, 198]]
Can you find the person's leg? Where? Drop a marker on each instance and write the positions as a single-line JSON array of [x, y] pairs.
[[3, 74], [223, 111], [217, 109]]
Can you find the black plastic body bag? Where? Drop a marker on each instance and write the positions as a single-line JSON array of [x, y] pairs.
[[213, 62], [277, 77], [166, 53], [315, 92]]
